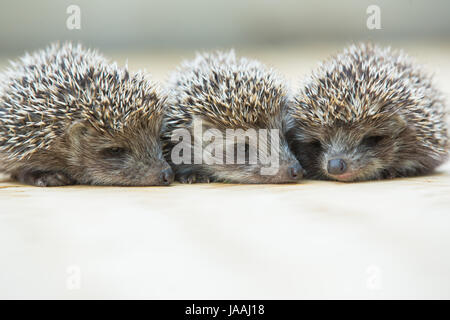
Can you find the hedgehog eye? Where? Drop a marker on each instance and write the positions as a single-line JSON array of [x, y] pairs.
[[247, 149], [372, 141], [243, 147], [316, 144], [114, 152]]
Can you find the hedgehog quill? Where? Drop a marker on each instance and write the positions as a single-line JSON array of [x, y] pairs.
[[68, 116], [223, 93], [369, 113]]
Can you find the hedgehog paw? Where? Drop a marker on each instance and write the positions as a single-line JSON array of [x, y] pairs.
[[193, 178], [200, 178], [388, 174], [44, 178]]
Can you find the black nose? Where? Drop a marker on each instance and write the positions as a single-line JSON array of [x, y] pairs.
[[295, 171], [166, 176], [337, 166]]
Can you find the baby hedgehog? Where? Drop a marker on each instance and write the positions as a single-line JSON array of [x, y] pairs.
[[225, 94], [67, 116], [369, 113]]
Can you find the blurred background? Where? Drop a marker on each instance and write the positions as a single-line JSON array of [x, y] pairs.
[[290, 35], [203, 24]]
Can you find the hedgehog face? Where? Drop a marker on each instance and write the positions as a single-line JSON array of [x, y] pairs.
[[251, 166], [253, 156], [363, 150], [132, 156]]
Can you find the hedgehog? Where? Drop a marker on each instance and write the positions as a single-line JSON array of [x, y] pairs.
[[368, 113], [221, 92], [68, 116]]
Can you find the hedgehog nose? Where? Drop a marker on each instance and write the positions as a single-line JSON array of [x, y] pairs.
[[295, 171], [166, 176], [337, 166]]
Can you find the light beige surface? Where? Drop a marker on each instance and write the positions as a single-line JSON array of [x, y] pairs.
[[387, 239]]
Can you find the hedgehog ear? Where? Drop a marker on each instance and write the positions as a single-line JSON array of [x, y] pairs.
[[77, 131], [396, 124], [206, 124]]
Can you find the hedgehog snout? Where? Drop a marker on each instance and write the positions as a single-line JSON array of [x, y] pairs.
[[166, 177], [337, 166], [295, 171]]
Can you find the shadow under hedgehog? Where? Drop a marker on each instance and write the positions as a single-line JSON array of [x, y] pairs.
[[369, 113], [67, 116], [223, 94]]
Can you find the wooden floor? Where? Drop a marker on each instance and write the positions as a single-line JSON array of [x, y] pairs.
[[314, 239]]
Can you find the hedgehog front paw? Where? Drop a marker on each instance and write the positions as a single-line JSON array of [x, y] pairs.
[[193, 178], [388, 174], [44, 178], [200, 178]]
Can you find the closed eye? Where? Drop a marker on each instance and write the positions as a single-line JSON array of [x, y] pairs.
[[316, 144], [372, 141], [114, 152], [244, 147]]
